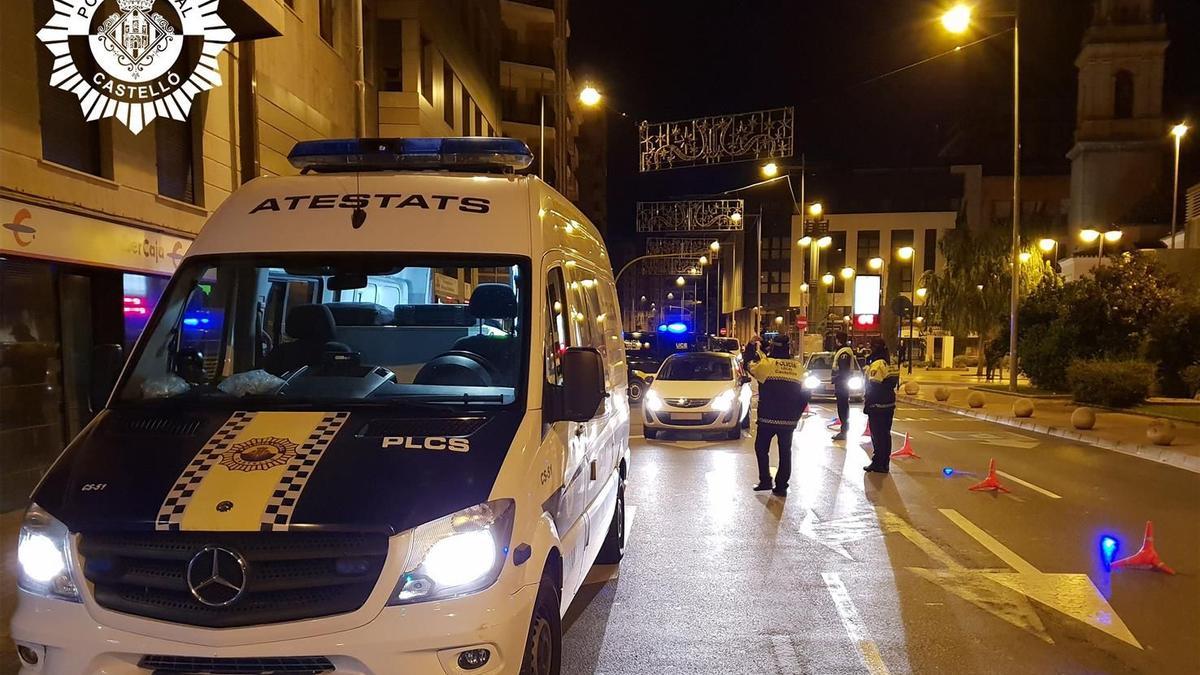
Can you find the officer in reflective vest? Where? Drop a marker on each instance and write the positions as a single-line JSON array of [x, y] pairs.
[[879, 402], [781, 401], [842, 371]]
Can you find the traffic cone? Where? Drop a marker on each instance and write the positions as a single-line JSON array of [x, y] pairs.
[[991, 482], [906, 450], [1147, 558]]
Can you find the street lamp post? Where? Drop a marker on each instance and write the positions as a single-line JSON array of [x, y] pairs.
[[958, 20], [1178, 131], [908, 253]]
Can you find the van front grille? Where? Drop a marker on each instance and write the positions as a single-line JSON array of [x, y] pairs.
[[288, 576]]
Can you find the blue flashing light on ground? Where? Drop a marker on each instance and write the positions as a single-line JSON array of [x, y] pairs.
[[1108, 549], [947, 471]]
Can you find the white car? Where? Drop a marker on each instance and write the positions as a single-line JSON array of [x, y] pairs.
[[698, 391], [818, 377]]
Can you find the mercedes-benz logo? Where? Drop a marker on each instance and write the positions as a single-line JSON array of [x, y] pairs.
[[217, 576]]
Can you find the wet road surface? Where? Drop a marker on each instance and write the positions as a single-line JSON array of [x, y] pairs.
[[906, 573]]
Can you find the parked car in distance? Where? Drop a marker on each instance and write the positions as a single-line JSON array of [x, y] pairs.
[[698, 391]]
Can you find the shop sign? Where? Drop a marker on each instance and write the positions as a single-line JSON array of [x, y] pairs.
[[41, 232]]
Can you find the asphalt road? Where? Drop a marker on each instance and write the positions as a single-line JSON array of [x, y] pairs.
[[906, 573]]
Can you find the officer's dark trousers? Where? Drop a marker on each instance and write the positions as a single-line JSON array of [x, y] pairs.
[[843, 408], [879, 421], [762, 448]]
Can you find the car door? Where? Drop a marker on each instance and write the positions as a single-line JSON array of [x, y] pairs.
[[565, 438]]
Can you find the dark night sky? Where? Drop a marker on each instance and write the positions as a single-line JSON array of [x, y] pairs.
[[673, 59]]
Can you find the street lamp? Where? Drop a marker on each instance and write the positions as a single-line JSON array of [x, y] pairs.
[[922, 292], [827, 279], [1025, 256], [590, 96], [1178, 131], [824, 242], [847, 273], [804, 242], [735, 218], [770, 170], [816, 209], [716, 245], [1091, 236], [957, 20], [905, 253], [679, 281], [804, 287], [908, 253], [875, 264]]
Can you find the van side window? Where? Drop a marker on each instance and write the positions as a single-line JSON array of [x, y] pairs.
[[558, 336]]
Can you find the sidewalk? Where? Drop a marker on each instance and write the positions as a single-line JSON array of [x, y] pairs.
[[1121, 432]]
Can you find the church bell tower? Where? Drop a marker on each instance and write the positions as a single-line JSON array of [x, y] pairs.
[[1117, 163]]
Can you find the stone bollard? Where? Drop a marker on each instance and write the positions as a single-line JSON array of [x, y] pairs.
[[1083, 418], [912, 388], [1023, 407], [1161, 432], [942, 394], [975, 399]]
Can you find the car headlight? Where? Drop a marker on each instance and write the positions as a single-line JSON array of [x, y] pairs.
[[724, 401], [812, 382], [458, 554], [654, 401], [856, 383], [44, 554]]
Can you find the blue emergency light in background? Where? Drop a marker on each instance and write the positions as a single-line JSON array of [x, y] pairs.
[[678, 328], [483, 155]]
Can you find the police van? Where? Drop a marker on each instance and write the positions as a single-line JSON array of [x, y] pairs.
[[378, 423]]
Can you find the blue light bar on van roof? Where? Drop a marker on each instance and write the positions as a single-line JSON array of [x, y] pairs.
[[485, 155]]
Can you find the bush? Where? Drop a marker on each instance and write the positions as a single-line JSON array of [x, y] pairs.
[[966, 361], [1191, 378], [1116, 384], [1174, 344]]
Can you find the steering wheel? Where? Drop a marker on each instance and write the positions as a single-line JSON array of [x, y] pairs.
[[459, 368]]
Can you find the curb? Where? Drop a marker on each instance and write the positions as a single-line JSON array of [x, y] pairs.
[[1048, 397], [1154, 453]]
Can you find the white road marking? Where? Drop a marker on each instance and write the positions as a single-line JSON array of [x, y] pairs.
[[1029, 485], [856, 630], [989, 542]]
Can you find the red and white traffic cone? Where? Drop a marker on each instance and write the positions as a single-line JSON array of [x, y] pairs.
[[1147, 558], [906, 450], [991, 483]]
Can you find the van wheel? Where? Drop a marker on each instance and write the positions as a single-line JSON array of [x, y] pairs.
[[734, 434], [543, 647], [637, 389], [614, 542], [650, 434]]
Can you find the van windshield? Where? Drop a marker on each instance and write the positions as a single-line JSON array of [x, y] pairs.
[[426, 330]]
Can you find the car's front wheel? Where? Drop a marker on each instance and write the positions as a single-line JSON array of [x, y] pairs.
[[650, 434], [543, 646], [637, 389]]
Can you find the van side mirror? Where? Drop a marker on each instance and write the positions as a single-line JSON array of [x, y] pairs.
[[106, 367], [582, 392]]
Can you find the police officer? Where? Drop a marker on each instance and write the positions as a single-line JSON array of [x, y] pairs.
[[842, 371], [781, 401], [879, 402]]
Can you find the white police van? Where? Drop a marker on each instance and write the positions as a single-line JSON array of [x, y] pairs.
[[377, 424]]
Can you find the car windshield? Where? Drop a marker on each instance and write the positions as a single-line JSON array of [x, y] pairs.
[[822, 361], [426, 330], [704, 367]]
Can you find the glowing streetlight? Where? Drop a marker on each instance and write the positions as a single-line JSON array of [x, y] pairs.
[[905, 253], [1047, 245], [1089, 236], [716, 245], [670, 296], [922, 292], [816, 209], [590, 96], [957, 19], [1178, 131], [778, 320], [770, 170], [847, 273], [1025, 256], [827, 279], [875, 264], [735, 218], [825, 242], [703, 260], [679, 281], [804, 287], [804, 242], [1112, 236]]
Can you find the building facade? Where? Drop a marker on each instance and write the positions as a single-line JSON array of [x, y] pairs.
[[95, 218]]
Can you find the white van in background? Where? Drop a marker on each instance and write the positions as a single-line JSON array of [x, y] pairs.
[[319, 459]]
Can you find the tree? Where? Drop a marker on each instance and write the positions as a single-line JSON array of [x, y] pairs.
[[971, 294], [1174, 344]]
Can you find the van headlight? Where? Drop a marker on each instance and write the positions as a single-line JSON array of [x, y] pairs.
[[44, 554], [812, 382], [458, 554], [654, 401], [856, 383], [724, 401]]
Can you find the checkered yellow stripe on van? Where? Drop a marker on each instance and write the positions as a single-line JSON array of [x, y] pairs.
[[250, 474]]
